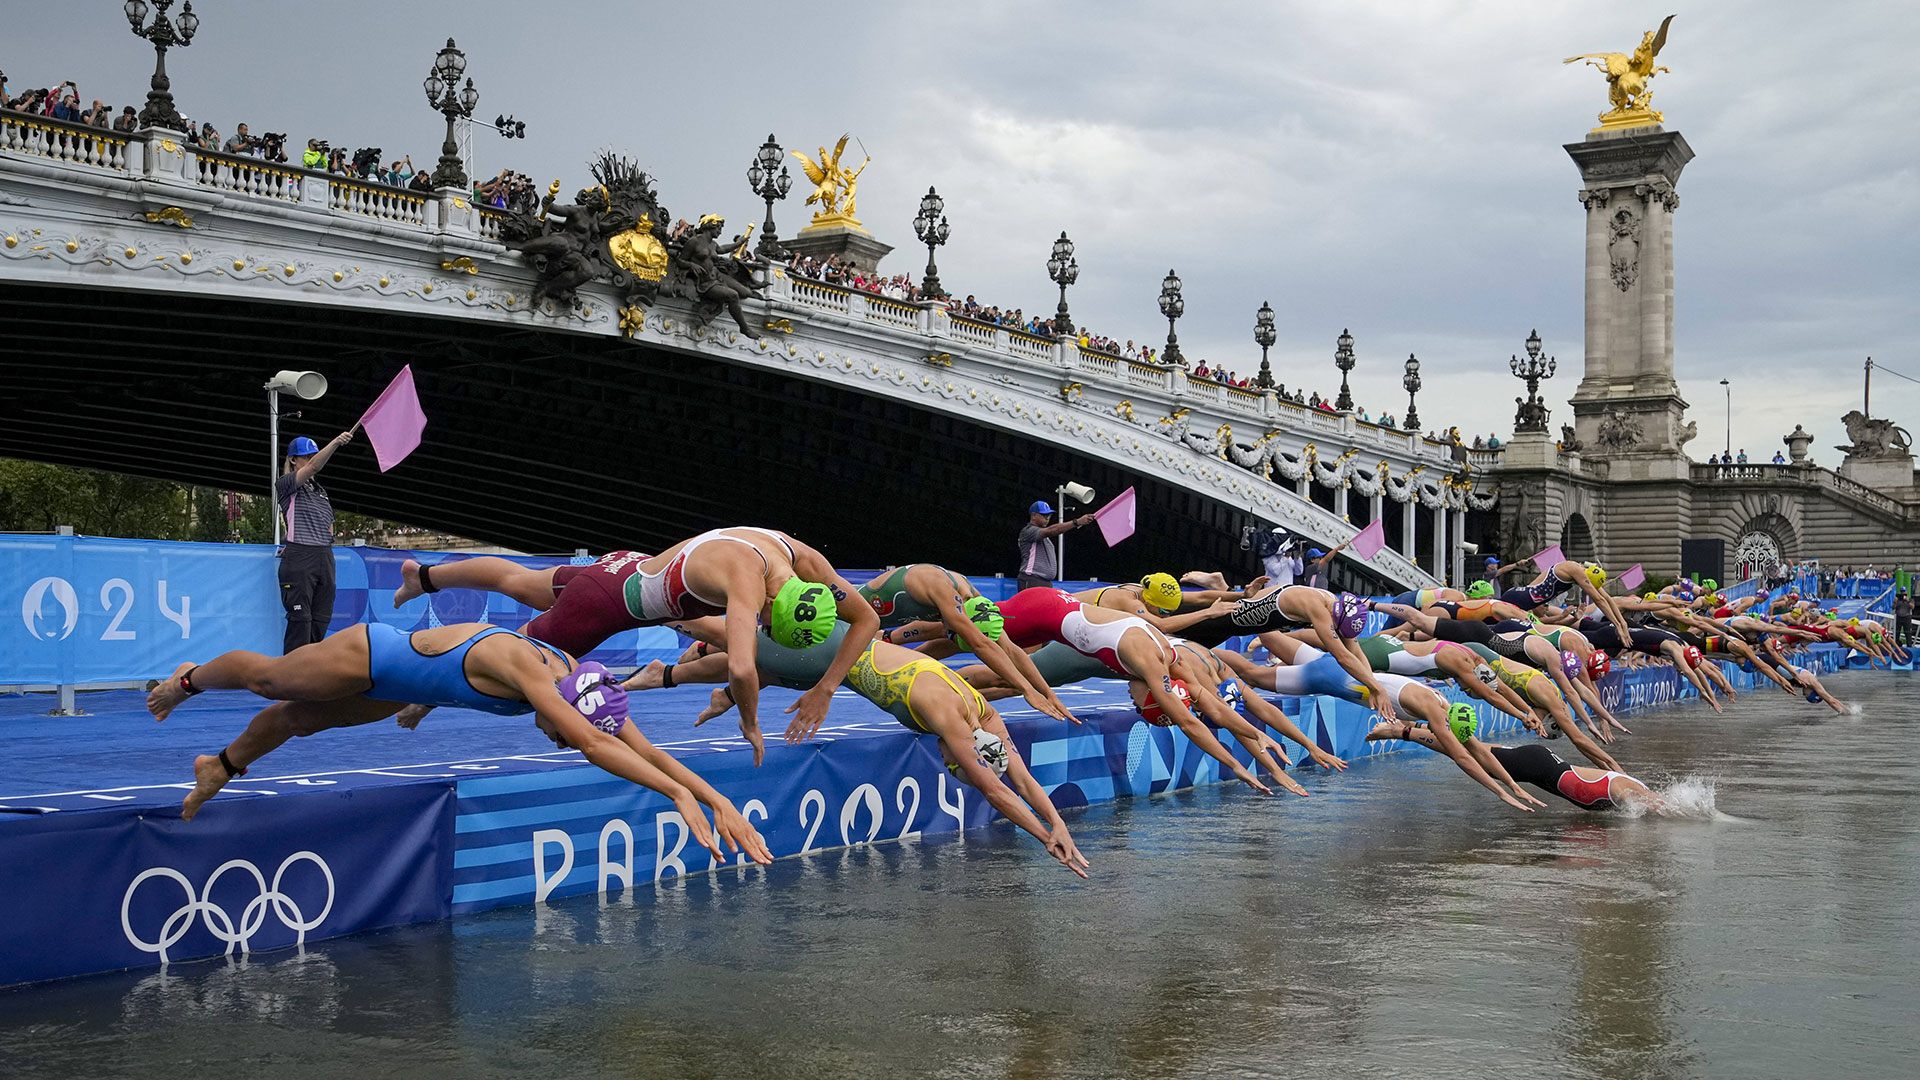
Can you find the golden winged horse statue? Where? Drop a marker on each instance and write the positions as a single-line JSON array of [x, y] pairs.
[[834, 187], [1627, 77]]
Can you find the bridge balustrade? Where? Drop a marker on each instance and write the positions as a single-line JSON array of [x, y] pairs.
[[248, 175], [386, 203], [1803, 475], [62, 140]]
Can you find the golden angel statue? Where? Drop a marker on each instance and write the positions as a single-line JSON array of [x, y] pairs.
[[1627, 78], [834, 188]]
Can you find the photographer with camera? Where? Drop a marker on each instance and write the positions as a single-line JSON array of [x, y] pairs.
[[240, 142], [272, 146], [127, 120], [422, 182], [399, 172], [316, 155], [366, 163]]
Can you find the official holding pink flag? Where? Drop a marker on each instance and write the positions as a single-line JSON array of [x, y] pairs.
[[306, 560], [393, 424]]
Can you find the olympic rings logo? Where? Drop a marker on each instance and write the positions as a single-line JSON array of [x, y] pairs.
[[219, 923]]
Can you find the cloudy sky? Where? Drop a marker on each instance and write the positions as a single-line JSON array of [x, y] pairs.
[[1391, 167]]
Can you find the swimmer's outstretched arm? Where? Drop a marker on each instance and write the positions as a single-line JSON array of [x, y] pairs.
[[1058, 840], [735, 830], [960, 749], [1271, 715], [612, 754], [1023, 663], [1160, 689], [1221, 715]]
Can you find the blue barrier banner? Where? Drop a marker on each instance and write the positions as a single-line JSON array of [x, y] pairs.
[[87, 610], [101, 891]]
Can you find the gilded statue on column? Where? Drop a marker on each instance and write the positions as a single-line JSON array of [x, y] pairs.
[[1627, 77], [834, 187]]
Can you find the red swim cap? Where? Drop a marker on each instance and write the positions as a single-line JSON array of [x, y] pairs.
[[1152, 713]]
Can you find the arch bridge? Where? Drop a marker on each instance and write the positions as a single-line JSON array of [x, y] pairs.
[[150, 288]]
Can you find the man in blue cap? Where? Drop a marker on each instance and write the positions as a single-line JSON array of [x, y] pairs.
[[306, 561], [1038, 563]]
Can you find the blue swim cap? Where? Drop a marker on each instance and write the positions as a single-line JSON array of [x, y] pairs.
[[301, 447], [1813, 696]]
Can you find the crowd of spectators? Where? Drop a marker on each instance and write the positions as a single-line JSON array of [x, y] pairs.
[[509, 190], [834, 271]]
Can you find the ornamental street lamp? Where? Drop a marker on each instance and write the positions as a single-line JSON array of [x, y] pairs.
[[769, 185], [1728, 387], [1172, 305], [1263, 336], [1064, 269], [1344, 360], [1411, 381], [1533, 412], [163, 33], [454, 102], [930, 225]]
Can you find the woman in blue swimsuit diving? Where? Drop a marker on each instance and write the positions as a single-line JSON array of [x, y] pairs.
[[367, 673]]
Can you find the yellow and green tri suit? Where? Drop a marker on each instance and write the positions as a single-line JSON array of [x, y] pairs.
[[1519, 678], [801, 669]]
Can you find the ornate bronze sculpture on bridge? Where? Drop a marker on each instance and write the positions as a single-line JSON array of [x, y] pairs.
[[611, 230], [1627, 77], [703, 270], [615, 231]]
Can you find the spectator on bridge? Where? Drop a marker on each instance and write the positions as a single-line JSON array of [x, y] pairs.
[[422, 181], [99, 115], [1038, 561], [1493, 442], [239, 142], [314, 157], [127, 121], [66, 102], [207, 139], [1779, 458], [1743, 456], [306, 560]]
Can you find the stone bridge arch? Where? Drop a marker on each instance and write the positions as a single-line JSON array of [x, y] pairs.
[[1576, 538]]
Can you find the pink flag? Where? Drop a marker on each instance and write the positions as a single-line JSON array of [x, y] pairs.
[[1633, 578], [1116, 518], [1550, 558], [393, 422], [1370, 540]]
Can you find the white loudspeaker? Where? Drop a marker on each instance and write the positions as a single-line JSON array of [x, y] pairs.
[[305, 385], [1079, 493]]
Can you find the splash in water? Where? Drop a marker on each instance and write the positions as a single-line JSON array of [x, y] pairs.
[[1691, 796]]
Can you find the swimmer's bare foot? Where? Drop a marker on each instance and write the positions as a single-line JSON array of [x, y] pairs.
[[409, 583], [209, 776], [1387, 729], [651, 677], [411, 716], [168, 693], [718, 705]]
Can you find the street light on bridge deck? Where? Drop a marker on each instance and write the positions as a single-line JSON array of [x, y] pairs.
[[444, 93], [930, 225], [1064, 269], [1264, 336], [159, 111], [1172, 305]]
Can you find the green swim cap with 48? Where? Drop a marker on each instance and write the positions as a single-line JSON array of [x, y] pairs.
[[984, 614], [1463, 721], [803, 614]]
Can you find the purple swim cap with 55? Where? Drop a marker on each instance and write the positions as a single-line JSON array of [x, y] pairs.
[[593, 690], [1349, 615]]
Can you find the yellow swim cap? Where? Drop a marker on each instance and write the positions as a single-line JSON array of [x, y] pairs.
[[1160, 591], [1596, 575]]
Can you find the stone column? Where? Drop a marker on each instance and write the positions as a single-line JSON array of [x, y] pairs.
[[1438, 568], [1340, 501], [1409, 529], [1628, 382], [1457, 519]]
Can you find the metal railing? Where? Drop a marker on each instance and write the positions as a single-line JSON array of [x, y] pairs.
[[62, 140]]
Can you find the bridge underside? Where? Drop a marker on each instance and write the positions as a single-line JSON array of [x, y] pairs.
[[544, 441]]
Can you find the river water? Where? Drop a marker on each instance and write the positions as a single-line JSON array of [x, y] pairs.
[[1399, 921]]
